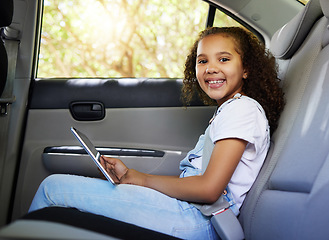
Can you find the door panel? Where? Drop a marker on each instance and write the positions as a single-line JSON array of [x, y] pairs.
[[156, 121]]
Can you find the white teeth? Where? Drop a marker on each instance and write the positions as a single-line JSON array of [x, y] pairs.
[[217, 81]]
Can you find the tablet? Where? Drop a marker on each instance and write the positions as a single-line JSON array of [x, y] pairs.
[[91, 150]]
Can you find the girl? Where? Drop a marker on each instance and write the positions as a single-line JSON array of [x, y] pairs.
[[228, 67]]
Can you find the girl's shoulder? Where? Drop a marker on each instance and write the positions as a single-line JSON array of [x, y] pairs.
[[242, 118], [242, 105]]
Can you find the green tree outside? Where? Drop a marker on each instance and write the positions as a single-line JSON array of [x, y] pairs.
[[119, 38]]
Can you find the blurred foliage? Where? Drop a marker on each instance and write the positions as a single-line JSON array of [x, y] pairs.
[[303, 1], [119, 38]]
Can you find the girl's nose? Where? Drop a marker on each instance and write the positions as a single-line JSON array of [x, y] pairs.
[[211, 68]]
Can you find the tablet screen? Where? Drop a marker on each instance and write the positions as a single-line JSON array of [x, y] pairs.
[[91, 150]]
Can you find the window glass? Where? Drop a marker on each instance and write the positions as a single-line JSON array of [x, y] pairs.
[[303, 1], [119, 38], [221, 20]]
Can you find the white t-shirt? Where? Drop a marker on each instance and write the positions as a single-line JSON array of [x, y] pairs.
[[245, 119]]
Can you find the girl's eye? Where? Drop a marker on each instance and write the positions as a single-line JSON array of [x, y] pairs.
[[224, 59], [202, 61]]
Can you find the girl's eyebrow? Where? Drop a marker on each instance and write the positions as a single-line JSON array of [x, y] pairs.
[[223, 53], [219, 53], [201, 55]]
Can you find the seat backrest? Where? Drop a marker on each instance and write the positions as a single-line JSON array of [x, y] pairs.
[[290, 197], [6, 15]]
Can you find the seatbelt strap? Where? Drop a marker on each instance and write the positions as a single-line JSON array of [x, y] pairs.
[[7, 98], [222, 218]]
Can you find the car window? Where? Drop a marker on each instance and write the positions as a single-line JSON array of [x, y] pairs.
[[303, 1], [115, 38], [221, 19]]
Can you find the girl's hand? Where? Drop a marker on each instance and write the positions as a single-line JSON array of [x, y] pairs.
[[114, 167], [120, 173]]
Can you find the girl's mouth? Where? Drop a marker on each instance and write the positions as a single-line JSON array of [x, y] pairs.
[[215, 83]]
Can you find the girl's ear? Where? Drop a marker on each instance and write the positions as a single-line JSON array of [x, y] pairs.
[[245, 74]]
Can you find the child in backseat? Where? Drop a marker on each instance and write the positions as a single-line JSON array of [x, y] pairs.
[[227, 67]]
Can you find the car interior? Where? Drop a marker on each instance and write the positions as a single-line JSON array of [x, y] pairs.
[[144, 122]]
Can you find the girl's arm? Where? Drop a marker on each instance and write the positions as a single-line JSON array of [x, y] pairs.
[[205, 188]]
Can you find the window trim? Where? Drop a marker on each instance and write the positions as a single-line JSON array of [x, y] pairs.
[[211, 19]]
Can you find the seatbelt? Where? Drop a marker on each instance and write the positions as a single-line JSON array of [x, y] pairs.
[[7, 97], [222, 218]]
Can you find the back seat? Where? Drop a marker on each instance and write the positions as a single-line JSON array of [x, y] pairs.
[[290, 197]]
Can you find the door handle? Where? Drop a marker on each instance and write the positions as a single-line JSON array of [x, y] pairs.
[[87, 111]]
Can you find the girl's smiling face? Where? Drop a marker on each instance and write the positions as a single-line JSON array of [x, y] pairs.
[[219, 68]]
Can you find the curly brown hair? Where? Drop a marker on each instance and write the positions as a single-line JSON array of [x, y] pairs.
[[262, 83]]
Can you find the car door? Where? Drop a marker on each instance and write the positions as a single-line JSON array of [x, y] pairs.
[[145, 133]]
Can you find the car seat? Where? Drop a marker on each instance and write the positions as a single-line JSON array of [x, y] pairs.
[[290, 197]]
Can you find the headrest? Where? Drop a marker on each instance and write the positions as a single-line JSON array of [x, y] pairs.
[[6, 12], [286, 41]]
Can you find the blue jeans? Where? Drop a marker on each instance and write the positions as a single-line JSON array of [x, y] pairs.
[[137, 205]]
